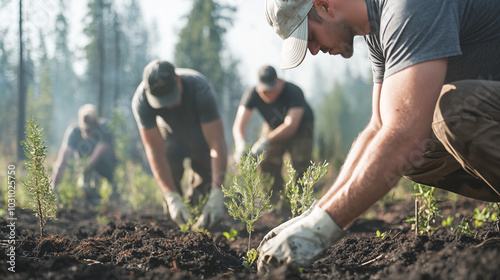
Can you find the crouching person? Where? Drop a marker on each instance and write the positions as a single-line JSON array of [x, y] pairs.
[[91, 140], [178, 118]]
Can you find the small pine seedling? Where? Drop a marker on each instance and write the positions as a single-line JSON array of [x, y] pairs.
[[464, 227], [41, 197], [427, 213], [301, 195], [194, 212], [247, 198]]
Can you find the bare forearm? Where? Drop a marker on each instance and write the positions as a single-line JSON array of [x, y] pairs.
[[99, 151], [289, 126], [371, 176], [282, 132], [60, 165], [219, 165], [161, 172], [155, 152], [57, 172]]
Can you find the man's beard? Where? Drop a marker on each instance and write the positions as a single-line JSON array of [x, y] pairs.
[[345, 35]]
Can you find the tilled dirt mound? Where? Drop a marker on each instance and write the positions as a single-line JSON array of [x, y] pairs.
[[126, 245]]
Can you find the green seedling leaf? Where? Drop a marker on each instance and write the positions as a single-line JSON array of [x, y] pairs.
[[251, 257], [231, 235], [447, 222]]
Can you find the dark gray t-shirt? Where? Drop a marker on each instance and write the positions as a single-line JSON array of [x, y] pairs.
[[275, 112], [84, 147], [408, 32], [198, 106]]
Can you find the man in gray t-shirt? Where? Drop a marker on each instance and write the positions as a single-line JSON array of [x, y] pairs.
[[177, 116], [436, 105]]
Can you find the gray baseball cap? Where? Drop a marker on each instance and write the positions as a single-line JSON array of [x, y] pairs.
[[288, 18], [160, 84]]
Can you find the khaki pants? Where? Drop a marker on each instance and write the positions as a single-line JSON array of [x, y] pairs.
[[300, 148], [463, 153]]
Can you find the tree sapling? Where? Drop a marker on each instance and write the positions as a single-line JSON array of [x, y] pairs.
[[300, 192], [247, 198], [41, 196]]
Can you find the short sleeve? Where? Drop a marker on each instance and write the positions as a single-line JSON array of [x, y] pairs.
[[409, 35], [71, 138], [248, 98]]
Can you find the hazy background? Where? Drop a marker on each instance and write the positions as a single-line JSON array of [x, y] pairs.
[[94, 51]]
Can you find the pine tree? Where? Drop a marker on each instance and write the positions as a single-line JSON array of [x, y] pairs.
[[41, 197]]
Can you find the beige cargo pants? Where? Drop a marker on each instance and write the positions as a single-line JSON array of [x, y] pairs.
[[463, 153]]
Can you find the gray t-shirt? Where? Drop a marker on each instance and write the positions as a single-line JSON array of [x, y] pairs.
[[198, 106], [408, 32]]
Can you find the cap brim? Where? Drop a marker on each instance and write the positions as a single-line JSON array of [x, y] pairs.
[[169, 99], [294, 47]]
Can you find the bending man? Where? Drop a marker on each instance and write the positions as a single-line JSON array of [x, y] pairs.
[[436, 105], [178, 118]]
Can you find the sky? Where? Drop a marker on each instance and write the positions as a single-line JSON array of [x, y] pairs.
[[254, 43]]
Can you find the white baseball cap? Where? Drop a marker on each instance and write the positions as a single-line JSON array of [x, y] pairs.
[[288, 18]]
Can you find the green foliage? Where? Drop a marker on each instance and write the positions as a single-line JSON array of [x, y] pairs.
[[231, 234], [102, 220], [300, 192], [247, 198], [428, 210], [342, 114], [334, 114], [201, 41], [143, 192], [40, 106], [381, 235], [42, 199], [488, 213], [251, 257], [194, 211], [447, 222], [464, 227], [67, 193]]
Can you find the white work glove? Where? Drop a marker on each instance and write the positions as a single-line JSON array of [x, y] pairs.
[[239, 150], [301, 242], [275, 231], [213, 211], [176, 207], [259, 147]]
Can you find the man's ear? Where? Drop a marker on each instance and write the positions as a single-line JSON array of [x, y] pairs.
[[324, 6]]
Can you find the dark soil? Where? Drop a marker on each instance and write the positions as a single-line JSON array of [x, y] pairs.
[[117, 244]]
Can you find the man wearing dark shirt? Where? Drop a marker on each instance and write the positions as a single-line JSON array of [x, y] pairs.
[[91, 139], [178, 118], [289, 121]]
